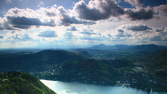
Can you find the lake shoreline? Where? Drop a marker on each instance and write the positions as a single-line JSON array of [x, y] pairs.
[[77, 88]]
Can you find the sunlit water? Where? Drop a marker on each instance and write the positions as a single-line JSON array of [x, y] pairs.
[[76, 88]]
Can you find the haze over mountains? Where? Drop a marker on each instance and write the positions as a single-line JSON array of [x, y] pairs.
[[139, 66]]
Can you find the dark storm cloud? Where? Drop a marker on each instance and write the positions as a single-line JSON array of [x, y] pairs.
[[97, 9], [141, 14], [47, 34], [24, 22], [139, 28]]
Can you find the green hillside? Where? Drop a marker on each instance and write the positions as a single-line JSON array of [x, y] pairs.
[[21, 83]]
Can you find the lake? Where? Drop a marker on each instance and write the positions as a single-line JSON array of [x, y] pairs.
[[77, 88]]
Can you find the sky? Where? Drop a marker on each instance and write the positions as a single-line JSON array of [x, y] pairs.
[[81, 23]]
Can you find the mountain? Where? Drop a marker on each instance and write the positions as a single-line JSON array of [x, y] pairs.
[[139, 66], [23, 61], [128, 47], [21, 83]]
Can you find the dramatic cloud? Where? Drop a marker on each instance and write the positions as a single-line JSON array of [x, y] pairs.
[[139, 28], [6, 26], [23, 22], [83, 22], [48, 34], [141, 14], [97, 9], [133, 33], [65, 18], [103, 9], [162, 9], [53, 16]]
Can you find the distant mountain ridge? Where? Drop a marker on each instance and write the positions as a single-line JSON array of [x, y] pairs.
[[146, 46]]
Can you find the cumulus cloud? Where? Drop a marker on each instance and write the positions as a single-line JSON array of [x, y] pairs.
[[48, 34], [88, 33], [103, 9], [23, 22], [139, 28], [64, 17], [140, 14], [121, 35], [97, 9], [16, 36], [161, 10], [4, 25], [52, 16], [133, 33], [96, 21], [72, 28], [24, 37], [161, 36]]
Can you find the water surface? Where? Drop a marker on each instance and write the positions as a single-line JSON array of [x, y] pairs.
[[77, 88]]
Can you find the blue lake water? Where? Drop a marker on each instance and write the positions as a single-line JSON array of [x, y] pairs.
[[77, 88]]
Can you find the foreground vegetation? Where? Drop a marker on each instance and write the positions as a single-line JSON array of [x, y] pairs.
[[21, 83]]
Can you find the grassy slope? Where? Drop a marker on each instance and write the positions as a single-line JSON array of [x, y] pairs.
[[21, 83]]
